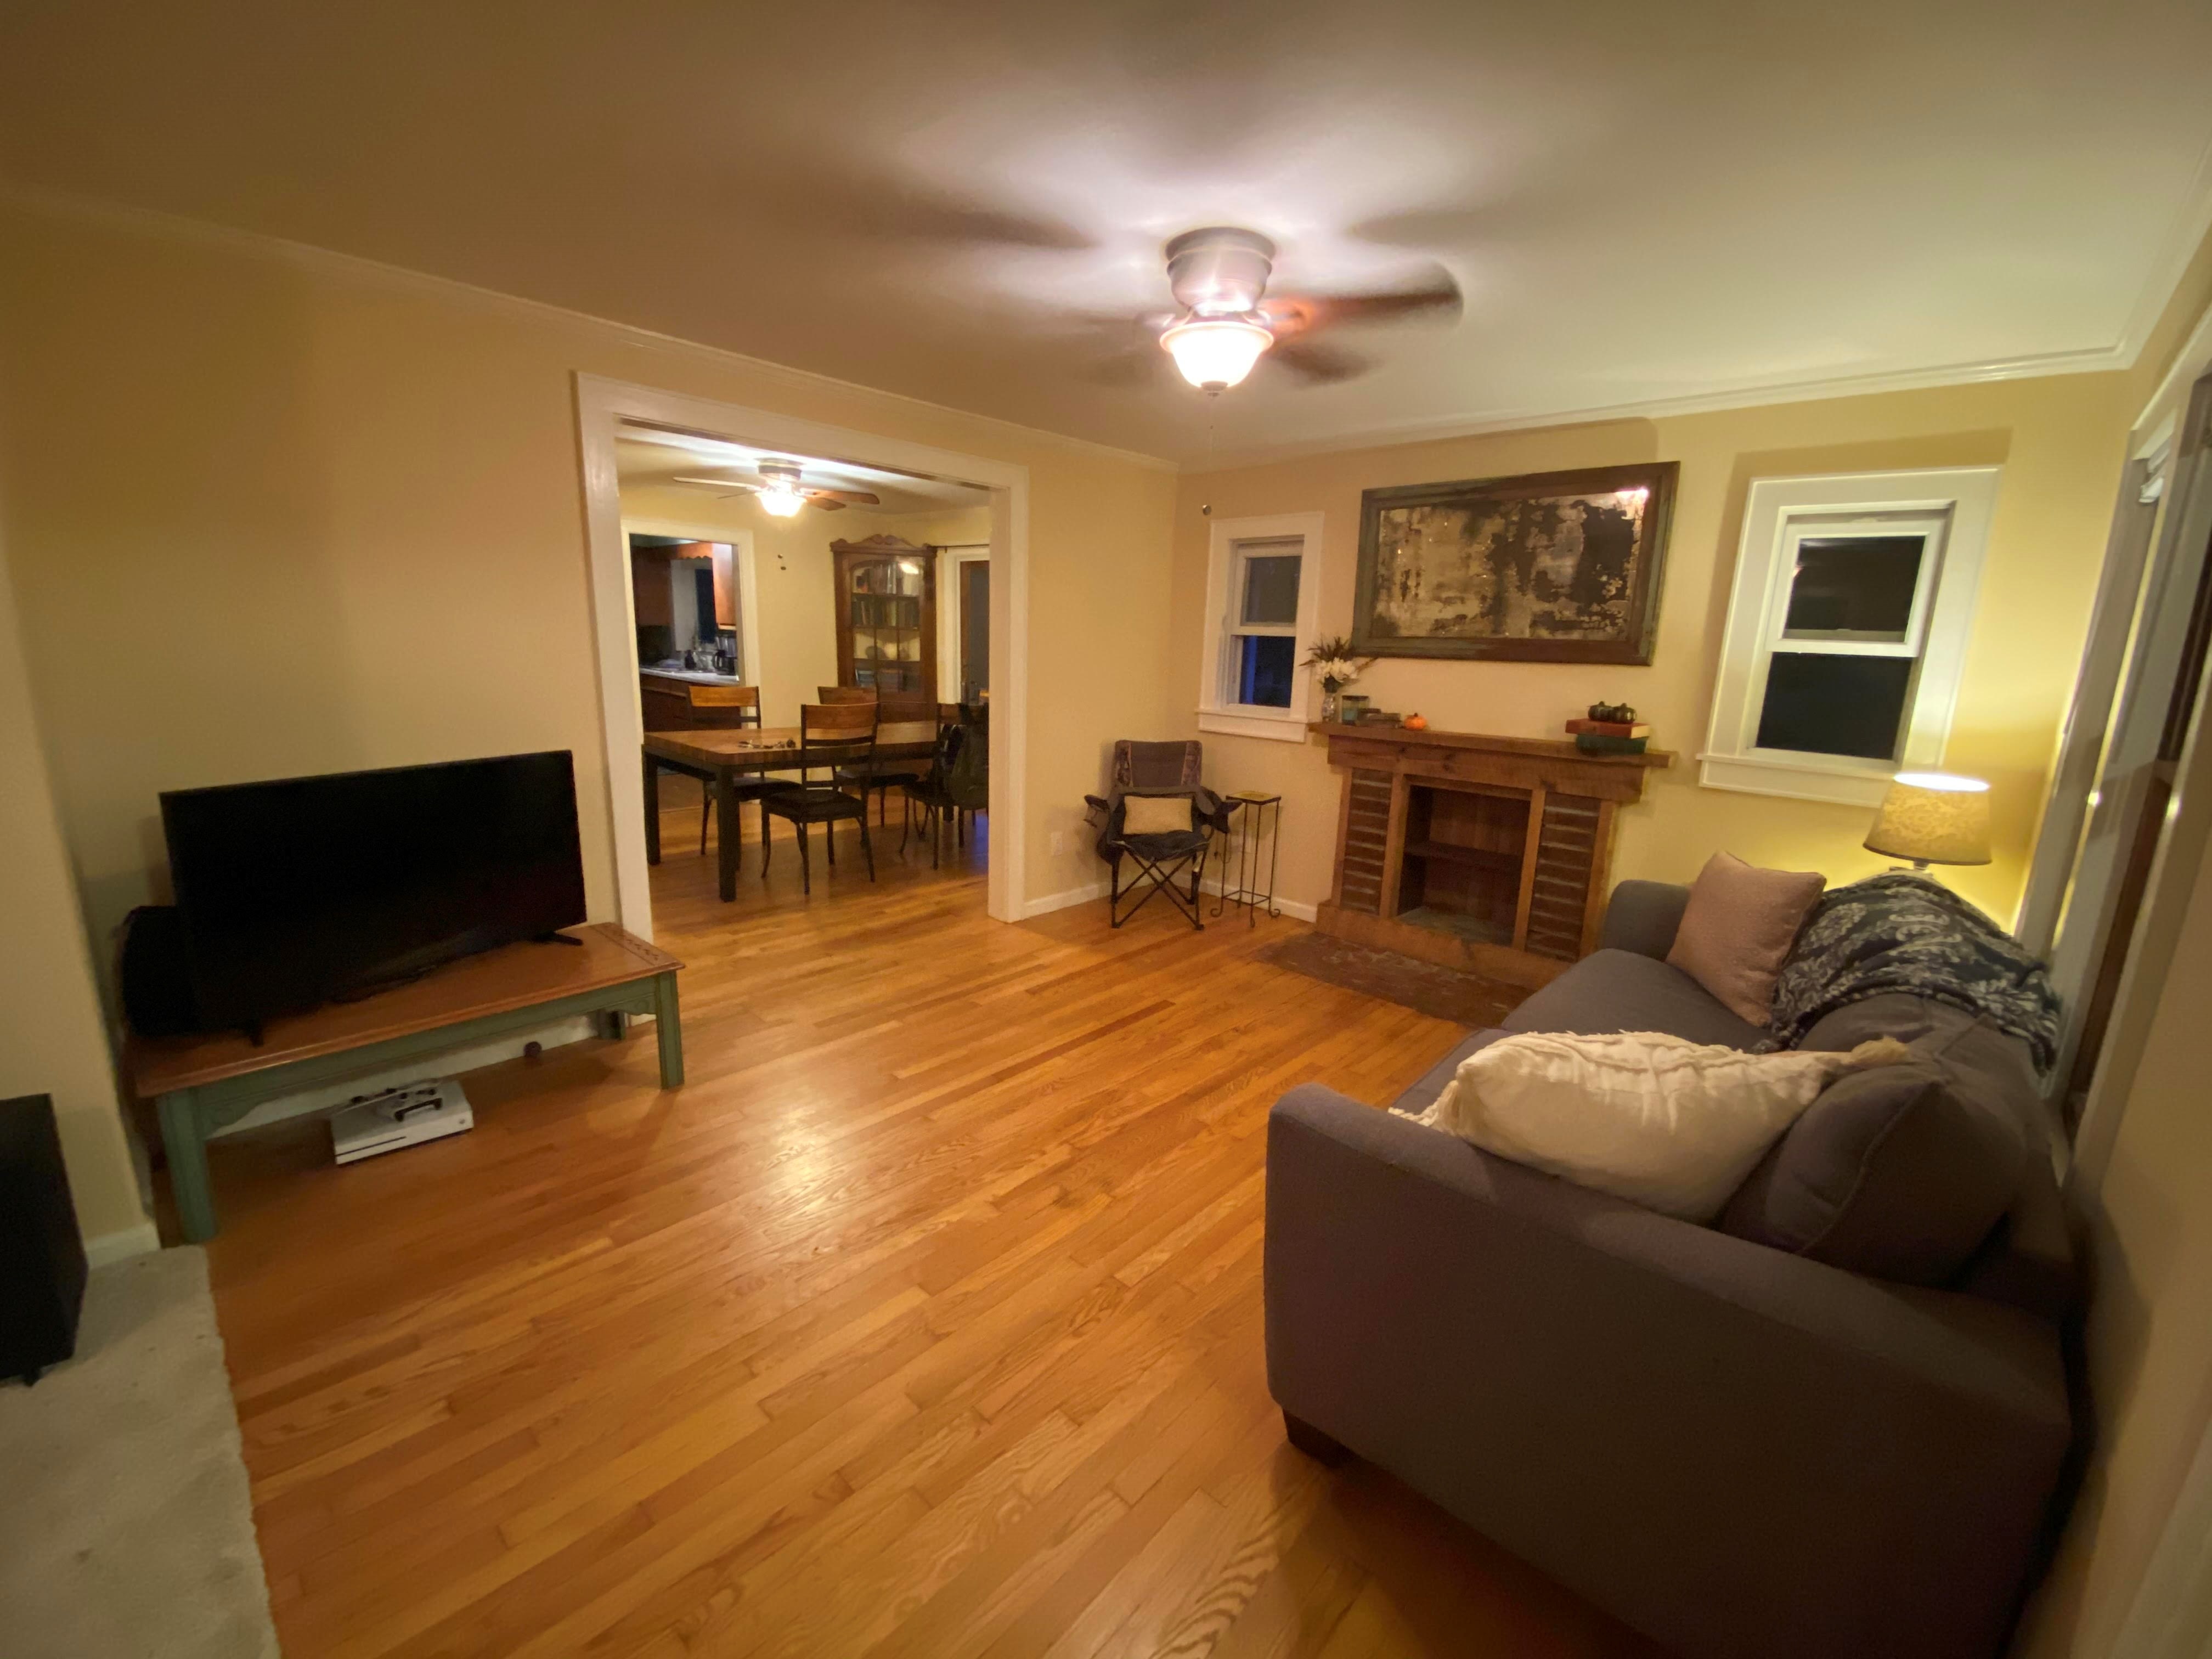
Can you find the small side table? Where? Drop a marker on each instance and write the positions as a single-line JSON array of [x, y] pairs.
[[1256, 828]]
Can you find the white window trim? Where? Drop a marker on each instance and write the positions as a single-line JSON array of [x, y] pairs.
[[1731, 758], [1216, 713]]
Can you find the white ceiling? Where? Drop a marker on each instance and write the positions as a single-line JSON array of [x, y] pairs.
[[1642, 202], [649, 457]]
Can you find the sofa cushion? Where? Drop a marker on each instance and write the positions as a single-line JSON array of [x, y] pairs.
[[1672, 1125], [1621, 991], [1895, 1014], [1737, 929], [1899, 1173]]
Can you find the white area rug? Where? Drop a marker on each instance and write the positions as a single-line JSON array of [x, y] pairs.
[[126, 1529]]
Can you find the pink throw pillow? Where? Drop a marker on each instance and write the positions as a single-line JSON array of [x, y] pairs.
[[1737, 930]]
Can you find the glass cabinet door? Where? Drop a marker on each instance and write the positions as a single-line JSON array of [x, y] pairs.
[[885, 602]]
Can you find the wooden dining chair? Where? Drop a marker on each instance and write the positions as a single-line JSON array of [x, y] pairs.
[[722, 707], [831, 737], [916, 719]]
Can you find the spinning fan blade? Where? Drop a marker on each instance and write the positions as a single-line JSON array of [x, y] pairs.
[[1134, 367], [843, 497], [1291, 315], [1320, 365], [721, 483], [821, 499]]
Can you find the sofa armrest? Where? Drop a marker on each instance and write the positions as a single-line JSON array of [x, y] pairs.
[[1643, 916], [1739, 1451]]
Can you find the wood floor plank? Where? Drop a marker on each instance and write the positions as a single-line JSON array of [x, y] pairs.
[[925, 1320]]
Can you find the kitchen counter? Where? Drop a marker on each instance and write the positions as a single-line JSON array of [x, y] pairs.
[[690, 675]]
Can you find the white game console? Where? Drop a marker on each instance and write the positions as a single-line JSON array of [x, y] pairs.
[[405, 1115]]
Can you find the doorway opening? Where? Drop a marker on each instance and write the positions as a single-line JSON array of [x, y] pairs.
[[751, 574]]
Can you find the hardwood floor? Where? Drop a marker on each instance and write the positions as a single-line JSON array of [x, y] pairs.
[[925, 1319]]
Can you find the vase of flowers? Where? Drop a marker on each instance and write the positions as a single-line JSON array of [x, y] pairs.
[[1332, 660]]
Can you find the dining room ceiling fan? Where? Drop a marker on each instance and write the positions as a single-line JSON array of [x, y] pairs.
[[1227, 319], [782, 491]]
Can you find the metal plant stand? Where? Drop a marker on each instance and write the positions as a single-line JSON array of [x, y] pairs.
[[1257, 826]]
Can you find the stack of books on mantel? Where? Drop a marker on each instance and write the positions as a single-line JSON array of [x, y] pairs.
[[1610, 737]]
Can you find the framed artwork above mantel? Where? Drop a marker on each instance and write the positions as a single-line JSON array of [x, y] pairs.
[[1548, 567]]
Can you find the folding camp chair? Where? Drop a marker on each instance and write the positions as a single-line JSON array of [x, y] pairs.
[[1161, 860]]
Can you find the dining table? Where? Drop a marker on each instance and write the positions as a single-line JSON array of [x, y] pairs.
[[718, 757]]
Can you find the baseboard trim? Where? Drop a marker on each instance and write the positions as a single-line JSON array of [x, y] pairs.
[[1073, 895], [102, 1248]]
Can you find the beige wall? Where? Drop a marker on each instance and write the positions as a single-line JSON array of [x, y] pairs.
[[51, 1041], [268, 503], [2059, 440], [2149, 1338], [2147, 1217]]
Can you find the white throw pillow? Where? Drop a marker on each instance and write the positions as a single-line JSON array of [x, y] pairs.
[[1672, 1125], [1155, 815]]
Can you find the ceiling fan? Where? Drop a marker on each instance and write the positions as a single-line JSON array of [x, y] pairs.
[[782, 493], [1227, 319]]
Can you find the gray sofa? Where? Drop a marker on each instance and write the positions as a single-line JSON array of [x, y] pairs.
[[1737, 1447]]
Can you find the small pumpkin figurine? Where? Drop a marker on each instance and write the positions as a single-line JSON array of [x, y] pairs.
[[1417, 722]]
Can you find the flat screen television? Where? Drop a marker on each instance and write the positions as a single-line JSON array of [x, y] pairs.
[[307, 889]]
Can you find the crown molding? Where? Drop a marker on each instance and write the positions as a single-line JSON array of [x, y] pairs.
[[2191, 363], [353, 267], [2089, 361]]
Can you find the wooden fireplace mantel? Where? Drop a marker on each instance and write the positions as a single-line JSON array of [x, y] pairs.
[[1484, 852]]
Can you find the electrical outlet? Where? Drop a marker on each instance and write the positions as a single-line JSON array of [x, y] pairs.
[[1059, 842]]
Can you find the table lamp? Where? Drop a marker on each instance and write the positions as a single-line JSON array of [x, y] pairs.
[[1933, 817]]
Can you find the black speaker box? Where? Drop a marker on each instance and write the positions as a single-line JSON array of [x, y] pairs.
[[156, 973], [42, 1264]]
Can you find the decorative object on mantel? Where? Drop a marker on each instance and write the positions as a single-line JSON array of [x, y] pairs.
[[1352, 708], [1610, 728], [1484, 854], [1552, 567], [1333, 662], [1933, 817]]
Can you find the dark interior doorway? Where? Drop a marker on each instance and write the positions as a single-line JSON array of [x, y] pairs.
[[975, 628]]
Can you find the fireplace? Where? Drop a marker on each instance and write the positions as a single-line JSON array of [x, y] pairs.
[[1482, 853]]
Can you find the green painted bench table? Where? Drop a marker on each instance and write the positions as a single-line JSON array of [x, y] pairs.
[[201, 1084]]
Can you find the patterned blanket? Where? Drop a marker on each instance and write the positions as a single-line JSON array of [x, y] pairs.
[[1904, 932]]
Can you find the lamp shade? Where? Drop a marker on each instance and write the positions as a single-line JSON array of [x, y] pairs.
[[1932, 817], [1215, 353]]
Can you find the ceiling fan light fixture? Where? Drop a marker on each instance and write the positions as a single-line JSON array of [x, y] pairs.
[[780, 500], [1215, 353]]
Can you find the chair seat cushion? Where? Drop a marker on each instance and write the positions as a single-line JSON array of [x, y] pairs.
[[1621, 991], [1175, 844], [815, 802]]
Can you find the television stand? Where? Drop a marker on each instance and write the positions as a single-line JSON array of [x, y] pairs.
[[201, 1083]]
